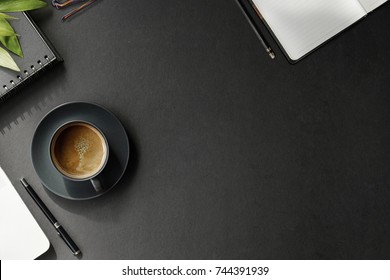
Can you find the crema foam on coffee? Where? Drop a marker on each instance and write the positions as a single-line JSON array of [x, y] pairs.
[[78, 150]]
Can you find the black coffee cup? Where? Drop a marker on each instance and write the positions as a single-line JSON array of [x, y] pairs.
[[79, 151]]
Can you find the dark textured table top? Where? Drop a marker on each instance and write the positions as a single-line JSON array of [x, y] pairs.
[[233, 155]]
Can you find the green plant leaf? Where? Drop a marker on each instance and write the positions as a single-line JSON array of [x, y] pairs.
[[2, 15], [7, 61], [21, 5], [6, 32], [10, 42]]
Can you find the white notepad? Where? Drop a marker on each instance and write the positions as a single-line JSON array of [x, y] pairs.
[[302, 25], [21, 238]]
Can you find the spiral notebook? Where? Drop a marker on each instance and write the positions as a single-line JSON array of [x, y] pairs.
[[39, 54], [301, 26]]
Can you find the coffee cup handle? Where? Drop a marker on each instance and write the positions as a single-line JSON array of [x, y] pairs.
[[97, 184]]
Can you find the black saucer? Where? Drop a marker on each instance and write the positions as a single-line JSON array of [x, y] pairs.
[[106, 122]]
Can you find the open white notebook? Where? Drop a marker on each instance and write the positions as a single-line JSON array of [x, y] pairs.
[[21, 238], [302, 25]]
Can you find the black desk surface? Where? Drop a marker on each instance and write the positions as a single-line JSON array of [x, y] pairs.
[[234, 156]]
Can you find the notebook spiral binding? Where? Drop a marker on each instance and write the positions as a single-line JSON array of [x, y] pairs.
[[21, 78], [31, 66]]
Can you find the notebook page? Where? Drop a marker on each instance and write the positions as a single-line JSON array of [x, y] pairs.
[[370, 5], [21, 238], [303, 25]]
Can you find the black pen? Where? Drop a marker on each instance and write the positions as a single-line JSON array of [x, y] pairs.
[[60, 230], [258, 32]]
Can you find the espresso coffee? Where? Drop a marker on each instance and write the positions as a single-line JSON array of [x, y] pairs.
[[78, 150]]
